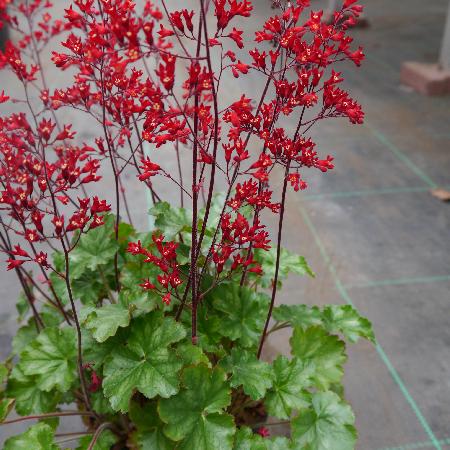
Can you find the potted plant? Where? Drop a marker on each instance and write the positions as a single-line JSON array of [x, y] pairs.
[[155, 338]]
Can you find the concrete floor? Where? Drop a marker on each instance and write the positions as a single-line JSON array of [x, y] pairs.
[[374, 234]]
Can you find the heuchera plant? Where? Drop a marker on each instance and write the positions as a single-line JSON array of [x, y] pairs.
[[154, 339]]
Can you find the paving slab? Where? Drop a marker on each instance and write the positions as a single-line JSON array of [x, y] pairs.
[[379, 237], [411, 323]]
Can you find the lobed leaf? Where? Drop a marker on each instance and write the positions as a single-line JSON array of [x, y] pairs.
[[29, 399], [302, 316], [289, 263], [245, 439], [291, 378], [195, 416], [346, 320], [343, 319], [244, 313], [51, 359], [37, 437], [145, 363], [149, 434], [327, 424], [104, 322], [324, 351], [105, 441], [169, 220], [95, 248], [248, 371]]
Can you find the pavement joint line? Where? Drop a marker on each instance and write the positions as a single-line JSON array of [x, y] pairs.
[[346, 297], [381, 137], [399, 281], [417, 445]]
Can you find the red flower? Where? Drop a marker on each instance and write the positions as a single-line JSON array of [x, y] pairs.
[[96, 382], [135, 248], [3, 98], [236, 35], [149, 169], [165, 32], [264, 432], [99, 206], [19, 251], [166, 299], [108, 47], [46, 128], [14, 263], [31, 236], [97, 221], [41, 259], [147, 285]]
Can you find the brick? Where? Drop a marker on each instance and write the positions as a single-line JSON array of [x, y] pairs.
[[428, 79]]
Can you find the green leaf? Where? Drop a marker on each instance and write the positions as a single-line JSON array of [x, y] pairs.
[[6, 405], [138, 301], [51, 357], [195, 416], [302, 316], [97, 352], [105, 441], [215, 211], [29, 398], [191, 354], [209, 327], [291, 378], [154, 440], [327, 424], [245, 439], [346, 320], [96, 248], [37, 437], [169, 220], [3, 373], [87, 287], [145, 417], [244, 313], [59, 287], [248, 371], [146, 362], [326, 352], [103, 322], [51, 316], [135, 270], [149, 433], [22, 306], [289, 263], [27, 333], [126, 232], [100, 404]]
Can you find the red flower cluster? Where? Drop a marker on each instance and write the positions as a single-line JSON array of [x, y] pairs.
[[13, 263], [237, 236], [170, 277], [175, 104], [33, 187]]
